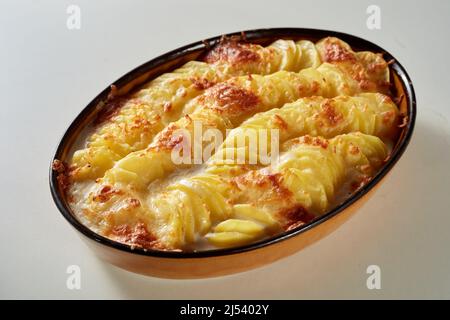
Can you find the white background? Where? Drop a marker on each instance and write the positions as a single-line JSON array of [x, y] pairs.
[[49, 73]]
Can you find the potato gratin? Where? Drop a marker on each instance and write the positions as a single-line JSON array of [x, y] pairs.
[[329, 105]]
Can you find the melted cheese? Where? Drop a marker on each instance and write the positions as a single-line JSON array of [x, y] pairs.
[[328, 103]]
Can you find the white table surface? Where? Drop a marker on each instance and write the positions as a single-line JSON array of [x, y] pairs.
[[48, 73]]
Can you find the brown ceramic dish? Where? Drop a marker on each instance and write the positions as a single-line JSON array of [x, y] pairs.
[[225, 261]]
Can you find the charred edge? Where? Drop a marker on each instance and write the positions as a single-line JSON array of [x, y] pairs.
[[61, 168], [109, 110], [295, 217]]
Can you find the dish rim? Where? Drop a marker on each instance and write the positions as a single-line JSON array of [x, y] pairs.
[[254, 34]]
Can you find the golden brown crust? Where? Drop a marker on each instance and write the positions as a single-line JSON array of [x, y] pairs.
[[106, 193], [270, 183], [280, 122], [167, 140], [61, 169], [309, 140], [334, 52], [133, 203], [295, 217], [231, 51], [58, 166], [329, 113], [133, 217], [353, 149], [378, 66], [137, 236], [232, 99], [202, 83]]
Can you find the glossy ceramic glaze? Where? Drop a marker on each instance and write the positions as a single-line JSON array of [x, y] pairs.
[[226, 261]]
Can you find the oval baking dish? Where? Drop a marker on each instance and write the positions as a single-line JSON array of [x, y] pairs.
[[209, 263]]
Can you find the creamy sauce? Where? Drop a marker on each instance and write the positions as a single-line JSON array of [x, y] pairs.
[[235, 98], [80, 190]]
